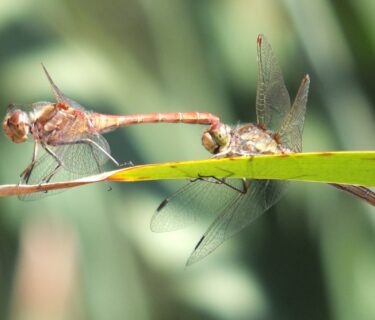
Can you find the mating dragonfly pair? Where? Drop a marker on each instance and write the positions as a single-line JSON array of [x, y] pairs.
[[73, 145]]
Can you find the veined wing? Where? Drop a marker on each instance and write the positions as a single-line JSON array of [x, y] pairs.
[[272, 101], [193, 202], [237, 214], [78, 160], [84, 155], [75, 142], [42, 168], [59, 95], [292, 127]]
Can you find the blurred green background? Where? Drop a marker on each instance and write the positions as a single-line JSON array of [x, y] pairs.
[[89, 253]]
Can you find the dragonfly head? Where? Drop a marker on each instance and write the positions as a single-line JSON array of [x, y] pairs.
[[216, 138], [16, 124]]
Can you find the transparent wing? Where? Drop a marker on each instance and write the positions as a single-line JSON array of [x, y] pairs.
[[272, 101], [237, 214], [85, 154], [78, 160], [59, 95], [292, 127], [43, 167], [27, 107], [194, 201]]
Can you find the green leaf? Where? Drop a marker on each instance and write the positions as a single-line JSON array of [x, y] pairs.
[[357, 168], [335, 167]]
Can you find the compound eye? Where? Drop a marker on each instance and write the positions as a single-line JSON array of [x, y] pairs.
[[16, 118], [209, 142], [221, 135], [16, 126]]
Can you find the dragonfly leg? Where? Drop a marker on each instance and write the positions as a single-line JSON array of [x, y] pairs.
[[207, 179], [93, 144], [245, 185], [216, 180], [127, 164], [243, 190], [25, 175], [213, 179], [47, 178], [358, 191]]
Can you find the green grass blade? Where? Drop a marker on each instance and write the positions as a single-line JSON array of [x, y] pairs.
[[357, 168], [335, 167]]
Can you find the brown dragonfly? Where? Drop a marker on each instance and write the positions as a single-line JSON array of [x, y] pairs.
[[71, 137], [238, 202]]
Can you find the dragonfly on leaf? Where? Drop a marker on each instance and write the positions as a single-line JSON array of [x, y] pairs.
[[238, 202], [71, 136]]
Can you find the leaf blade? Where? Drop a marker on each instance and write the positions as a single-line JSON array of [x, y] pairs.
[[331, 167]]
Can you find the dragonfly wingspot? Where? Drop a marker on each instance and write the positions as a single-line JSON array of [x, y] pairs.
[[199, 243], [162, 205]]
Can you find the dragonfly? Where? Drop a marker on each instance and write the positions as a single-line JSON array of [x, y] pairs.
[[71, 137], [238, 202]]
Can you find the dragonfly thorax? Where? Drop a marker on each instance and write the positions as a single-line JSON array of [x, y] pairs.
[[16, 125], [245, 140], [249, 139]]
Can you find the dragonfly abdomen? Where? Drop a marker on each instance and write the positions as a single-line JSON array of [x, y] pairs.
[[105, 123]]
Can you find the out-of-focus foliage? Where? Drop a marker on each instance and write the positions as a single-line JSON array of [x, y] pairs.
[[89, 254]]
